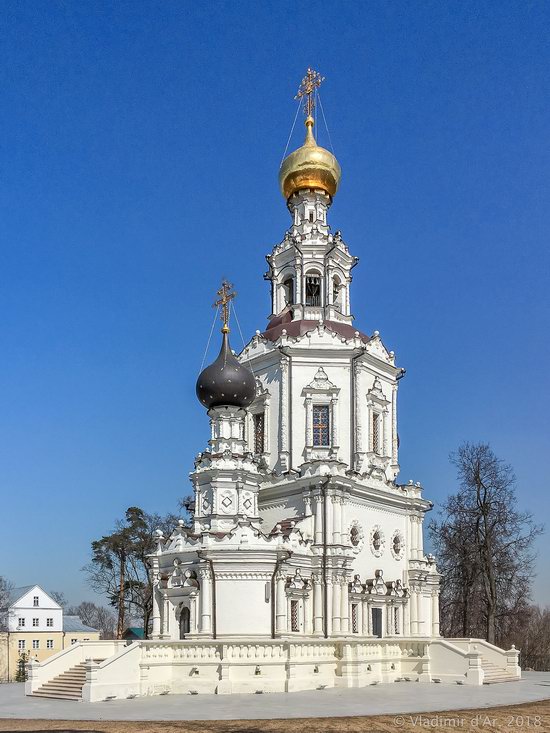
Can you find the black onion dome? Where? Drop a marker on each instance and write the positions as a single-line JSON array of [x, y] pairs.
[[226, 381]]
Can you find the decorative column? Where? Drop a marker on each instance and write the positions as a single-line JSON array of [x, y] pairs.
[[330, 515], [205, 600], [413, 611], [389, 620], [334, 426], [166, 617], [267, 423], [309, 422], [156, 609], [435, 613], [344, 607], [358, 422], [308, 615], [364, 618], [394, 425], [413, 536], [337, 526], [420, 542], [285, 456], [317, 604], [329, 591], [344, 527], [280, 603], [298, 284], [407, 617], [318, 518], [369, 619], [336, 596]]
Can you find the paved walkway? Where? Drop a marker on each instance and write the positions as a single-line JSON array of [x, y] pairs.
[[399, 697]]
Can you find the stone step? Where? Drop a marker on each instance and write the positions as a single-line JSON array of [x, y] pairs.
[[59, 695], [496, 680], [67, 685]]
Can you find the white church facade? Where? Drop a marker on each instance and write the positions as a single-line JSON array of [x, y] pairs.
[[303, 565]]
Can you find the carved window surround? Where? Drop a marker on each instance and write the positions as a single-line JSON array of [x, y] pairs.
[[321, 391], [379, 456], [262, 403]]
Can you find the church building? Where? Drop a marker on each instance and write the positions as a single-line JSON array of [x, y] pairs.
[[303, 566]]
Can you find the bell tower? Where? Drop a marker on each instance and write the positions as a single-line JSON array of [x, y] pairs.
[[310, 271]]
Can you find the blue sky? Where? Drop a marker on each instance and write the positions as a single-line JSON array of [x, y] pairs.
[[139, 150]]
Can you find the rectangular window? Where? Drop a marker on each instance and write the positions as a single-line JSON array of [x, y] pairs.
[[313, 290], [35, 601], [49, 622], [49, 644], [377, 622], [355, 618], [294, 618], [36, 643], [73, 641], [376, 432], [320, 425], [21, 644], [259, 428], [21, 621], [35, 622]]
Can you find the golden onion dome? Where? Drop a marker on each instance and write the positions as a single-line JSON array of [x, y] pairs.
[[309, 167]]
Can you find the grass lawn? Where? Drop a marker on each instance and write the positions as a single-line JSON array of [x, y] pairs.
[[534, 716]]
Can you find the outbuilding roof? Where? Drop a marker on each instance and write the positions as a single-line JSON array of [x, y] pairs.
[[73, 623]]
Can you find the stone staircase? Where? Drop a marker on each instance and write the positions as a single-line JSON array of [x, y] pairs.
[[494, 673], [66, 686]]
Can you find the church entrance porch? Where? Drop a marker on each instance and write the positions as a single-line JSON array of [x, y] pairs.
[[240, 666]]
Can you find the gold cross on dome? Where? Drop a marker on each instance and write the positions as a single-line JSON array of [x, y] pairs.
[[226, 295], [311, 81]]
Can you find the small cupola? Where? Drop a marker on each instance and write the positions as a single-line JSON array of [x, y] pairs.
[[226, 382]]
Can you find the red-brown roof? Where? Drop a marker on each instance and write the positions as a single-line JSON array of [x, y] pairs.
[[301, 327]]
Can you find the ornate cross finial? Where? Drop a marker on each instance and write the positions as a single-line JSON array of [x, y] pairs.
[[226, 295], [311, 81]]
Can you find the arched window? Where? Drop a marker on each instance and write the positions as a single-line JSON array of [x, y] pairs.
[[336, 291], [185, 622], [313, 290], [288, 287]]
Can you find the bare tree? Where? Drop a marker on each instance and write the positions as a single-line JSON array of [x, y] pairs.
[[97, 617], [59, 597], [531, 634], [485, 546], [6, 587], [119, 566]]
